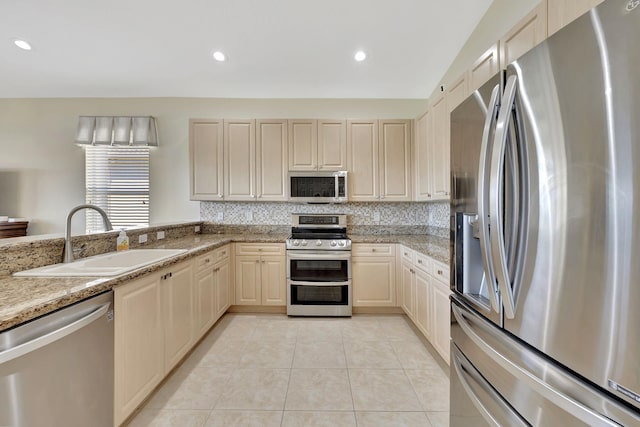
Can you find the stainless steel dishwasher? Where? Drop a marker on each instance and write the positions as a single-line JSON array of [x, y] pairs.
[[57, 370]]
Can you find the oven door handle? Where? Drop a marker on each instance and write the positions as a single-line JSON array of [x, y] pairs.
[[334, 283], [320, 255]]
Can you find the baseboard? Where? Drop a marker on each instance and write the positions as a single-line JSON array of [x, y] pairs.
[[377, 310], [279, 309]]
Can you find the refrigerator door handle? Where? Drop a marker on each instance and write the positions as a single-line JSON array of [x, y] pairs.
[[483, 197], [575, 408], [467, 373], [495, 200]]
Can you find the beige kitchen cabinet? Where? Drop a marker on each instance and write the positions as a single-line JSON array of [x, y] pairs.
[[423, 309], [362, 160], [139, 343], [222, 271], [239, 160], [271, 160], [260, 274], [441, 318], [562, 12], [526, 34], [373, 270], [332, 145], [421, 166], [484, 68], [177, 283], [205, 295], [206, 159], [303, 145], [408, 293], [317, 145], [211, 288], [395, 160], [456, 93], [438, 144]]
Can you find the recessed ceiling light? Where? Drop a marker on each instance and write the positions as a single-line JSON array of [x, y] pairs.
[[219, 56], [22, 44], [360, 56]]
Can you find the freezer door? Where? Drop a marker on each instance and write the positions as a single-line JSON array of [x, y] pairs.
[[522, 382], [578, 100]]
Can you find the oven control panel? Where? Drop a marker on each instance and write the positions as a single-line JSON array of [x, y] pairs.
[[319, 244]]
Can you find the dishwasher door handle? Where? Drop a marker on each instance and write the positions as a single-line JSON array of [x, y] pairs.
[[50, 337]]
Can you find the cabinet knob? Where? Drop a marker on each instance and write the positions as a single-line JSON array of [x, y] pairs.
[[219, 196], [440, 272], [419, 261], [257, 261]]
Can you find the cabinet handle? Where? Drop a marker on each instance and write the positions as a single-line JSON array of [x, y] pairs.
[[207, 261], [440, 272], [373, 249], [263, 262], [419, 261], [216, 270], [219, 196], [257, 261], [382, 196], [224, 253]]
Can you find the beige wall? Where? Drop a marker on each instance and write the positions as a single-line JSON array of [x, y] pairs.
[[501, 16], [42, 171]]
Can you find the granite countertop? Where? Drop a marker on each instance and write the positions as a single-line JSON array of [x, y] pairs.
[[25, 298]]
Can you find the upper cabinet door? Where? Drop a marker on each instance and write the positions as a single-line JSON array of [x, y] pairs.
[[562, 12], [530, 31], [332, 145], [303, 145], [422, 157], [271, 157], [456, 93], [484, 68], [239, 159], [206, 159], [362, 160], [395, 165], [439, 150]]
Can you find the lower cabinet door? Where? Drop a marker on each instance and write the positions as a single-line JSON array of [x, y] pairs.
[[248, 289], [374, 281], [223, 283], [408, 290], [441, 319], [205, 301], [423, 306], [178, 313], [274, 280], [139, 341]]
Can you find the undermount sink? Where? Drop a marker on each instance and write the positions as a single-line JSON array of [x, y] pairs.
[[104, 265]]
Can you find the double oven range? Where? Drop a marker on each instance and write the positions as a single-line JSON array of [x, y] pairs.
[[319, 266]]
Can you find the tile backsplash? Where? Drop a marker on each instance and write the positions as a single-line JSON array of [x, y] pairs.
[[360, 214]]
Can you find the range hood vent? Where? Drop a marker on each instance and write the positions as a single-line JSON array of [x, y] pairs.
[[117, 130]]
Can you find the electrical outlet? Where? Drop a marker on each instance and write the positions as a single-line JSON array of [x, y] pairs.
[[249, 215], [197, 229], [142, 238], [220, 217], [160, 235], [376, 216]]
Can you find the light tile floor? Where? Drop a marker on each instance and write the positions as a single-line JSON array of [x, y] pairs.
[[271, 370]]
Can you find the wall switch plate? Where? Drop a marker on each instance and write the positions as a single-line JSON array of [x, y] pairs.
[[376, 216], [197, 229], [160, 235], [220, 216], [249, 215], [142, 238]]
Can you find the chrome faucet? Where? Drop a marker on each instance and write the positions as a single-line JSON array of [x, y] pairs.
[[68, 246]]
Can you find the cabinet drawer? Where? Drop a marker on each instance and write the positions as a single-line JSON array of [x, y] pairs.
[[440, 271], [407, 254], [259, 248], [204, 261], [373, 249], [423, 262], [221, 254]]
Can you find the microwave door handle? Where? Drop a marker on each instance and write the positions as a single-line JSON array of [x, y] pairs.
[[482, 197], [336, 181]]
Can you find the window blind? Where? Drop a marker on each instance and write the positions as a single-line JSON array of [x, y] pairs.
[[117, 180]]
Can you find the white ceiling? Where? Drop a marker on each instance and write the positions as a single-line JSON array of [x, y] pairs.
[[275, 48]]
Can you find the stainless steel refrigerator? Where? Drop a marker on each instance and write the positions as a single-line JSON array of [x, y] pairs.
[[545, 164]]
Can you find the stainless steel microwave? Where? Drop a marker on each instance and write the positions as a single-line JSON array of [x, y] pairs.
[[318, 187]]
